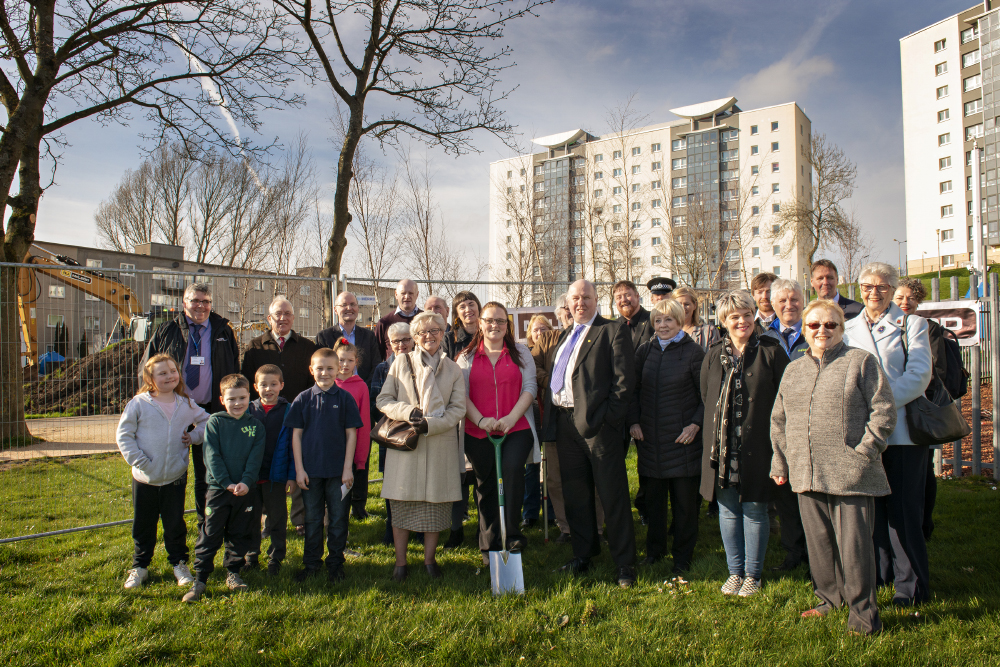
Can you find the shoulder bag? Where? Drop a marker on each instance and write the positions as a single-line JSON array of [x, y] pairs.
[[394, 433], [933, 418]]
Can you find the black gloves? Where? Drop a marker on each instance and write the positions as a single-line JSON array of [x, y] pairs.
[[422, 426], [416, 414]]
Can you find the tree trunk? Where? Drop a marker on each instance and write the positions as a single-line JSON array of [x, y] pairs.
[[341, 216], [17, 240]]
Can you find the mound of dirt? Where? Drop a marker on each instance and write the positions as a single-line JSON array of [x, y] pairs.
[[98, 384]]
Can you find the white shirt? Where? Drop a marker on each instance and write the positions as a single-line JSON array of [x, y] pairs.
[[564, 398], [766, 321]]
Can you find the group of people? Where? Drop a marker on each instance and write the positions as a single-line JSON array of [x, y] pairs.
[[785, 405]]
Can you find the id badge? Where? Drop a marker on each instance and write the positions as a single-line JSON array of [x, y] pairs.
[[197, 361]]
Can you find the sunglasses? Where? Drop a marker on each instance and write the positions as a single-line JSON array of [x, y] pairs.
[[832, 326]]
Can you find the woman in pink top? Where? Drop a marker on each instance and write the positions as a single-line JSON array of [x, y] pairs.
[[501, 384]]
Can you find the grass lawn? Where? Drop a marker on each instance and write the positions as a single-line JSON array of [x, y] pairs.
[[63, 601]]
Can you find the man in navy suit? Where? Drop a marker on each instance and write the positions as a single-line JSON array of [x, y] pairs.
[[585, 401], [824, 279]]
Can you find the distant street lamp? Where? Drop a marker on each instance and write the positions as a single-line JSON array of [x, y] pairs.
[[938, 233], [923, 256], [899, 256]]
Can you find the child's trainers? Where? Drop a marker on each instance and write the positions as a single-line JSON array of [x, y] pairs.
[[234, 582], [136, 578], [732, 585], [182, 574], [273, 568], [750, 587], [195, 593]]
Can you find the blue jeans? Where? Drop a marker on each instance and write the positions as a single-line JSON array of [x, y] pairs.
[[324, 494], [745, 529]]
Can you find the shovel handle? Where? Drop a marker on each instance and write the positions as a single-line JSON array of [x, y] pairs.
[[497, 442]]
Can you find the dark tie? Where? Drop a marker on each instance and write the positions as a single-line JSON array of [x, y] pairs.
[[281, 343], [789, 335], [559, 374], [192, 374]]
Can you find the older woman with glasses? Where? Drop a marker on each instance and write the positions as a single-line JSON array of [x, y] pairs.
[[739, 382], [427, 389], [500, 377], [900, 547], [830, 397]]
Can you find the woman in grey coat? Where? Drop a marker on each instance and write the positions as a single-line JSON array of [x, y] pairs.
[[900, 547], [829, 426]]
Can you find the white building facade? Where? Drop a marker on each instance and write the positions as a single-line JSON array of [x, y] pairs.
[[696, 199], [950, 76]]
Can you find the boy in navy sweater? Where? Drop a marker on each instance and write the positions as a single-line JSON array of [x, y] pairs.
[[234, 447], [277, 470], [324, 422]]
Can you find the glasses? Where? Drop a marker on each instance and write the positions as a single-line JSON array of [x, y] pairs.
[[831, 326], [495, 322], [427, 332], [882, 289], [200, 302], [401, 341]]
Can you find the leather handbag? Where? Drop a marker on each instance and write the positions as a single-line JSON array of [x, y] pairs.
[[933, 418], [394, 433]]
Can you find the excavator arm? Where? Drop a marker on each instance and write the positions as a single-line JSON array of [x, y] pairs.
[[68, 272]]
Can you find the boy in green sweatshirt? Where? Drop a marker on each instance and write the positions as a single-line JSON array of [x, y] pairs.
[[234, 449]]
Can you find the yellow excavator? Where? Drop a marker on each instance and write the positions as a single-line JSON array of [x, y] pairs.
[[88, 280]]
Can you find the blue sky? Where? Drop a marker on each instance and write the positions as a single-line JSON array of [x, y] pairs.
[[838, 60]]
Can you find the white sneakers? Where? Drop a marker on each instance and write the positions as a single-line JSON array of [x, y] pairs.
[[182, 574], [136, 577], [732, 585], [750, 587]]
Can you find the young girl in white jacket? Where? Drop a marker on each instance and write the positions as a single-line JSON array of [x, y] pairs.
[[155, 432]]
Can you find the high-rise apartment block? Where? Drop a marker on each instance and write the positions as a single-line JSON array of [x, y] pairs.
[[951, 77], [696, 199]]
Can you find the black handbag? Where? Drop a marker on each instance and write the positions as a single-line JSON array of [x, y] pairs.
[[933, 418], [394, 433]]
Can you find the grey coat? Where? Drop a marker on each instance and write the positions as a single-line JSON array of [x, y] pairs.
[[831, 422]]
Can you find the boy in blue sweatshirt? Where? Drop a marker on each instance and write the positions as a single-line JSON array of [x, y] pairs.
[[234, 448], [277, 470]]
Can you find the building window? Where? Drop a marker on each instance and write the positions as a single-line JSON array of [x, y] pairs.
[[754, 150], [509, 174], [57, 292], [678, 202], [940, 68], [523, 172], [636, 151], [973, 107], [753, 130], [679, 220], [657, 240], [776, 270], [656, 166], [657, 203], [304, 313], [970, 34], [776, 250], [947, 211], [774, 126], [679, 163], [599, 157], [944, 115], [616, 190], [636, 243], [755, 189], [637, 261], [973, 131], [775, 208], [598, 194], [510, 256], [774, 168], [945, 186], [755, 252], [655, 259], [948, 260], [636, 187], [95, 263], [754, 170], [678, 144], [617, 208], [755, 210], [774, 146], [970, 83], [509, 189], [53, 321], [304, 290], [944, 139], [617, 155], [654, 185], [617, 172], [636, 205], [939, 45], [656, 222], [775, 187], [755, 231], [679, 182], [942, 92], [538, 170], [654, 148], [636, 169], [233, 307], [947, 234], [598, 175], [968, 59], [91, 322]]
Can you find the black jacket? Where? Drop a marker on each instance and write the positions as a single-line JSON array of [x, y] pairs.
[[364, 340], [850, 307], [273, 421], [763, 367], [456, 340], [172, 338], [640, 326], [293, 360], [602, 380], [667, 399]]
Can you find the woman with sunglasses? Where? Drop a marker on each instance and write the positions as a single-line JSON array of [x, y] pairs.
[[501, 384], [831, 420], [900, 548]]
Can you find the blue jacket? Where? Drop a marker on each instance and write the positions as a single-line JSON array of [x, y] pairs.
[[278, 466]]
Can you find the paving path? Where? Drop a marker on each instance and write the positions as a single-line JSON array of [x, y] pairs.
[[67, 436]]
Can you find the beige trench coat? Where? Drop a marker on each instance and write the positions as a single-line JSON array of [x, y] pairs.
[[430, 473]]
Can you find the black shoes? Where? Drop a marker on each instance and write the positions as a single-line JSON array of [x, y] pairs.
[[787, 566], [399, 573], [517, 546], [304, 574], [576, 566], [455, 539], [335, 574], [433, 570], [564, 538], [529, 523], [250, 566], [651, 560], [626, 577], [273, 569]]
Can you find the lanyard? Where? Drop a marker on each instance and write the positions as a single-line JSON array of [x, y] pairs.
[[194, 339]]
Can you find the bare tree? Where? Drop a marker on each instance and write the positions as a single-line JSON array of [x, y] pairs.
[[819, 221], [857, 247], [376, 217], [422, 64], [128, 217], [695, 243]]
